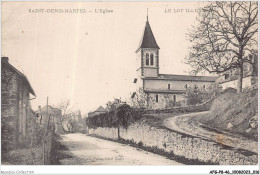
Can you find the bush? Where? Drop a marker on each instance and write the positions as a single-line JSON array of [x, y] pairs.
[[121, 116], [195, 95], [6, 140]]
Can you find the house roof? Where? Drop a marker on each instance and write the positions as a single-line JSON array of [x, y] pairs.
[[183, 78], [100, 109], [148, 40], [51, 110], [4, 60]]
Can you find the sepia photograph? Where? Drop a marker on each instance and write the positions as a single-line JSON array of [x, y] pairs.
[[130, 83]]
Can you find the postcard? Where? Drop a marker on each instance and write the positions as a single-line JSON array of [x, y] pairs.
[[159, 84]]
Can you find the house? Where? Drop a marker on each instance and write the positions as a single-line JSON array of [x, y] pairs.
[[51, 115], [161, 88], [229, 79], [16, 113], [99, 110]]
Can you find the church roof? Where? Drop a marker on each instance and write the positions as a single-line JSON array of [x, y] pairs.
[[148, 40], [183, 78]]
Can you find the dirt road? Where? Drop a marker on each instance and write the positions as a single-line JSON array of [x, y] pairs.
[[189, 124], [86, 150]]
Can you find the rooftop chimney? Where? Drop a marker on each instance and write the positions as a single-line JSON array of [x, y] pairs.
[[6, 59]]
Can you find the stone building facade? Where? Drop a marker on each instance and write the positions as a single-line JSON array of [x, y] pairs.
[[52, 114], [16, 112], [229, 79], [161, 89]]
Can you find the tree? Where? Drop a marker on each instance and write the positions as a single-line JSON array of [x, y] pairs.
[[193, 95], [113, 105], [141, 100], [211, 92], [198, 95], [65, 108], [225, 38], [71, 123]]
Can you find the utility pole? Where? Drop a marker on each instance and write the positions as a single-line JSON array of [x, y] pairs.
[[48, 114], [45, 136]]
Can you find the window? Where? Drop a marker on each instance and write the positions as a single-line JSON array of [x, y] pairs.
[[147, 59], [147, 55], [156, 98], [169, 86], [174, 98], [186, 86], [226, 76], [133, 95], [151, 61], [135, 80], [204, 86]]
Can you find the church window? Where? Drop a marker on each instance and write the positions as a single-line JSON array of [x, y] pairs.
[[226, 76], [133, 95], [147, 59], [156, 98], [174, 98], [169, 86], [151, 59]]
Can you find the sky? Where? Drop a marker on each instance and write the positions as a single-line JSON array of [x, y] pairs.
[[89, 57]]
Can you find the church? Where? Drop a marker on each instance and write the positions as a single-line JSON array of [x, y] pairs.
[[161, 89]]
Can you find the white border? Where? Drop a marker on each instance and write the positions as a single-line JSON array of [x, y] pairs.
[[87, 169]]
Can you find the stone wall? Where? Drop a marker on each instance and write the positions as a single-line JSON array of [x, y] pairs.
[[9, 106], [179, 144], [15, 106], [110, 133]]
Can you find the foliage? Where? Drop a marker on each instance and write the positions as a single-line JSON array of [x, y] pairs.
[[225, 37], [36, 133], [195, 95], [122, 116], [141, 100], [213, 91], [24, 156], [236, 109], [113, 105], [65, 108], [170, 103], [6, 140], [71, 119]]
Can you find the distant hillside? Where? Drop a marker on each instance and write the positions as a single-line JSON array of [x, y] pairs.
[[236, 113]]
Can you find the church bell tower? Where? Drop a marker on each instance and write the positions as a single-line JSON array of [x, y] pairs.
[[147, 54]]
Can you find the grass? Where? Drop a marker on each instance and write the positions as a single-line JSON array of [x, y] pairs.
[[234, 108], [24, 156], [58, 151]]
